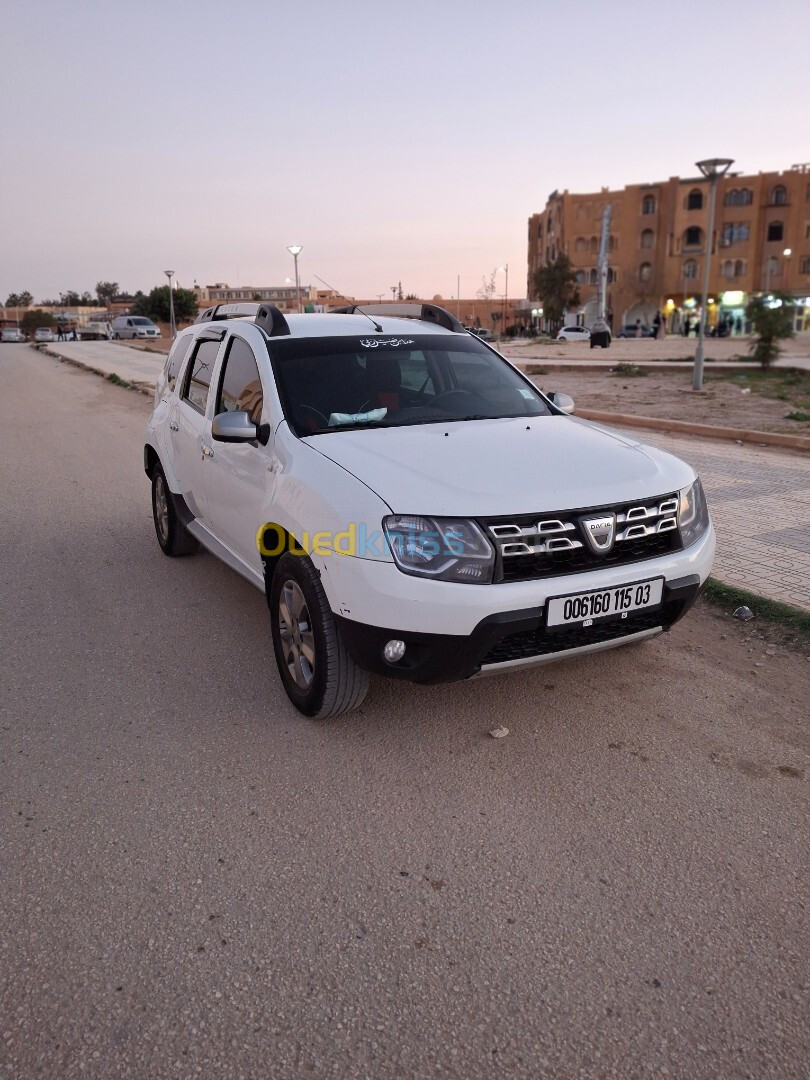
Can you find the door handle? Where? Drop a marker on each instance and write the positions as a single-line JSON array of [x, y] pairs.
[[173, 426], [207, 451]]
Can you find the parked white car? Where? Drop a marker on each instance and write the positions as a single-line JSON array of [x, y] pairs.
[[43, 334], [409, 502], [134, 326], [574, 333], [12, 334]]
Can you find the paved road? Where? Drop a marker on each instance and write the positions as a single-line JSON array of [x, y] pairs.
[[196, 881]]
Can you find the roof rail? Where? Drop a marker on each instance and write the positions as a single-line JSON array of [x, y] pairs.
[[425, 312], [272, 321], [227, 311]]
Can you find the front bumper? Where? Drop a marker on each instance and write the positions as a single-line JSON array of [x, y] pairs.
[[508, 639]]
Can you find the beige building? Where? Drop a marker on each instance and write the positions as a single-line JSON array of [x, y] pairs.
[[658, 244]]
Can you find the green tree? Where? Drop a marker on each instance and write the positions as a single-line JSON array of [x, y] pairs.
[[70, 299], [23, 299], [106, 290], [556, 285], [156, 304], [772, 321], [33, 319], [88, 300]]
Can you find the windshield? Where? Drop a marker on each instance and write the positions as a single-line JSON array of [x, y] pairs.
[[335, 384], [142, 322]]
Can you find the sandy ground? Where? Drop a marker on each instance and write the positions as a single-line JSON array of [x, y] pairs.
[[727, 400]]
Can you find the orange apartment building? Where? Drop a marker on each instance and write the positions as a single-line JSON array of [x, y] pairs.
[[658, 243]]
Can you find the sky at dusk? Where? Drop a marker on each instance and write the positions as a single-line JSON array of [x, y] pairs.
[[394, 142]]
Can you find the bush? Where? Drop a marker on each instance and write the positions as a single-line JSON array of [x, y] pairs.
[[771, 320]]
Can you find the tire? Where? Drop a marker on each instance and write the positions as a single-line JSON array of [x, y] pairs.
[[115, 337], [319, 675], [172, 535]]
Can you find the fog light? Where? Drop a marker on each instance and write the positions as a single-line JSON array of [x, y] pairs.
[[393, 651]]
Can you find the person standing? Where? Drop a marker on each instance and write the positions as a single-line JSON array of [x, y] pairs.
[[657, 325], [638, 327]]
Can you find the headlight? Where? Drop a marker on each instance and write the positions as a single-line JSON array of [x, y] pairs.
[[450, 549], [693, 514]]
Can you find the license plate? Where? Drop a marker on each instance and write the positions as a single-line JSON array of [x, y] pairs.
[[615, 603]]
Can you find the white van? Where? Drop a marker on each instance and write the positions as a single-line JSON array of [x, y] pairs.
[[134, 326]]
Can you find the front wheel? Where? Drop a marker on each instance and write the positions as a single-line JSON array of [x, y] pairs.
[[319, 675]]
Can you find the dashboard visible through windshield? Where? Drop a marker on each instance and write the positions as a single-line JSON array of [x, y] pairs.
[[336, 384]]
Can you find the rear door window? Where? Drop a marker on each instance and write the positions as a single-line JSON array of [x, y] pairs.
[[175, 360], [200, 370]]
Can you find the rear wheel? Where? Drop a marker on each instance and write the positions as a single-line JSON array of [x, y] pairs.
[[319, 675], [172, 535]]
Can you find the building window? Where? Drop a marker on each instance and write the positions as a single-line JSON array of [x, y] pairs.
[[804, 266], [594, 244], [693, 237], [581, 244], [734, 233], [613, 243], [776, 232], [611, 275], [648, 206], [593, 277], [647, 238], [694, 200], [645, 271], [779, 196], [728, 268], [739, 268], [739, 197], [580, 277], [807, 232], [690, 268]]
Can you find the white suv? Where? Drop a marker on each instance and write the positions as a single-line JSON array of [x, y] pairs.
[[409, 502]]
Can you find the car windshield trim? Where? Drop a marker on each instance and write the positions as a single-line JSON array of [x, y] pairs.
[[339, 383]]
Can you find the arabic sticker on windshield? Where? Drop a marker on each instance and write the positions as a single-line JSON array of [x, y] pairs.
[[337, 419], [374, 343], [527, 394]]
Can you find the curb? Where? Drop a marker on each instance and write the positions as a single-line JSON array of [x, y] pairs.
[[709, 431], [95, 371], [725, 367]]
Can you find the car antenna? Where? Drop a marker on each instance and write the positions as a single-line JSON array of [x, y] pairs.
[[376, 325]]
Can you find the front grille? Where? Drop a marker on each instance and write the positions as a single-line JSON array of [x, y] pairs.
[[547, 545], [540, 642]]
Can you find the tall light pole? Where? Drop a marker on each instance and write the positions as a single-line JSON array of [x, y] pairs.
[[393, 292], [712, 169], [505, 297], [295, 250], [173, 329]]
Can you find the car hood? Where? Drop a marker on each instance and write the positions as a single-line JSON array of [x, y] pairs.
[[503, 466]]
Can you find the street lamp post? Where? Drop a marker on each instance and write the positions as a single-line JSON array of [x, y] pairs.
[[505, 269], [712, 169], [295, 250], [172, 328], [393, 292]]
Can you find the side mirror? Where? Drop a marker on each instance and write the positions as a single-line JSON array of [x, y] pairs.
[[563, 402], [234, 427]]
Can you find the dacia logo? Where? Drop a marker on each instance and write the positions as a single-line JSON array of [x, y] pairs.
[[600, 532]]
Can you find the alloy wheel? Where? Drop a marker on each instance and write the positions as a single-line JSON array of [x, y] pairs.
[[297, 638]]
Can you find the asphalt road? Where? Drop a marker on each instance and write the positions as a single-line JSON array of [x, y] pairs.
[[197, 881]]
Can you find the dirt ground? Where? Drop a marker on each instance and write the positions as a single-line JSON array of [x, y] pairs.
[[756, 401]]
